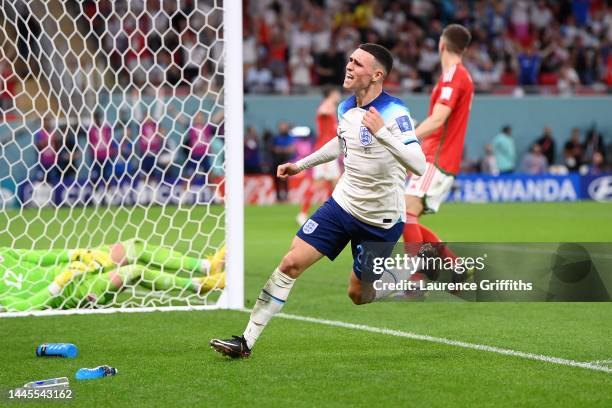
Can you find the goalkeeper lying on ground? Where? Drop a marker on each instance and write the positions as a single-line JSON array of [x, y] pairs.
[[65, 279]]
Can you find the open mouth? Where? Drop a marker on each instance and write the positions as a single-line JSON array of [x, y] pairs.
[[348, 76]]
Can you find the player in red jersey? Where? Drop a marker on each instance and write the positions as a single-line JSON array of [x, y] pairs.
[[326, 173], [442, 134]]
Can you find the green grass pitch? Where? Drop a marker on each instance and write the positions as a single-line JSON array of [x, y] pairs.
[[164, 360]]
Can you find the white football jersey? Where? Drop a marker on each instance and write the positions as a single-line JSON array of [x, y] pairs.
[[372, 186]]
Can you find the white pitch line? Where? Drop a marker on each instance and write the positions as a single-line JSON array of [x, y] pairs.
[[449, 342], [601, 362]]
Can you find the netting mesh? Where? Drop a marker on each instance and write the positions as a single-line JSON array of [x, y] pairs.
[[112, 131]]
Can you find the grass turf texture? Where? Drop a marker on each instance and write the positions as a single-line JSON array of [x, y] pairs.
[[163, 358]]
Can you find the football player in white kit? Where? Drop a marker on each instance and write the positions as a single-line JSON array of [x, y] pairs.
[[367, 208]]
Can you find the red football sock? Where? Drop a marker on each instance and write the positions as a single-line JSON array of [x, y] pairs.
[[307, 199], [430, 236], [412, 234]]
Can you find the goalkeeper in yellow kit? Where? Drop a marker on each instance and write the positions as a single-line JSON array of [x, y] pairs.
[[65, 279]]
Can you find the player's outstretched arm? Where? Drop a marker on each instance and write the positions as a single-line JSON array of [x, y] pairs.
[[437, 118], [40, 300], [410, 155], [154, 279], [328, 152], [134, 251]]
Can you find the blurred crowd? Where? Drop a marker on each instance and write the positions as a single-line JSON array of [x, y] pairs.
[[518, 45], [585, 151], [131, 148], [292, 45], [160, 42]]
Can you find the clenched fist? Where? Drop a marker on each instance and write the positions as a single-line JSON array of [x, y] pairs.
[[373, 121], [285, 170]]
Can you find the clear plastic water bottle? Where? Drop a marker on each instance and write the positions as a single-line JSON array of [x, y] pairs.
[[61, 382], [67, 350], [93, 373]]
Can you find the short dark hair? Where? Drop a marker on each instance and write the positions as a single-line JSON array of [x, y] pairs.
[[381, 54], [457, 38], [507, 129]]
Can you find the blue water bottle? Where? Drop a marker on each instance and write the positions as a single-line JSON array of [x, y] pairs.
[[67, 350], [93, 373]]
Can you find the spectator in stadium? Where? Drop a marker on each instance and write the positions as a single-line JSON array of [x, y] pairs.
[[100, 138], [283, 151], [249, 49], [345, 38], [46, 143], [197, 142], [568, 79], [193, 55], [149, 143], [553, 57], [484, 72], [267, 153], [572, 152], [300, 35], [428, 61], [534, 162], [277, 52], [597, 165], [529, 63], [124, 163], [301, 66], [216, 154], [259, 78], [322, 31], [252, 162], [488, 164], [540, 15], [508, 77], [167, 157], [68, 154], [330, 66], [344, 16], [276, 30], [586, 63], [280, 82], [504, 151], [594, 143], [547, 145]]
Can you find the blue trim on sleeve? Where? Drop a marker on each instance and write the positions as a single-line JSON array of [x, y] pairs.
[[412, 141]]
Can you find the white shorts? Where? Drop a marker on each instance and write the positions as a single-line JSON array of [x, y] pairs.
[[433, 187], [327, 171]]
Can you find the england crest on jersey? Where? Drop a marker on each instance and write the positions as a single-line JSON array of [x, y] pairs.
[[364, 136], [310, 226]]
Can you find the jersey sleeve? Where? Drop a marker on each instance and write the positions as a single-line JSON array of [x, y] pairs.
[[399, 122], [451, 88]]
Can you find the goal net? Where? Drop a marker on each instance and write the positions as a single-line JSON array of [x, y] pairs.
[[120, 171]]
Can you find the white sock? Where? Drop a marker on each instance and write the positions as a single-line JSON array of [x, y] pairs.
[[270, 301], [396, 275]]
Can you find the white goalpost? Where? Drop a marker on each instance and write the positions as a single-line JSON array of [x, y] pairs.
[[234, 177], [121, 156]]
